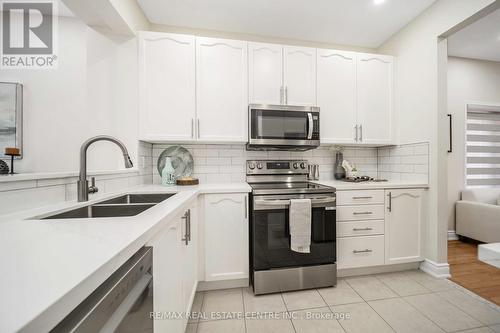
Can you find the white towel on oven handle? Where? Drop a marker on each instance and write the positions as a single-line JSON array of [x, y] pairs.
[[300, 225]]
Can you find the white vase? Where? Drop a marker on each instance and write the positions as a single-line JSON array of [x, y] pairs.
[[168, 173]]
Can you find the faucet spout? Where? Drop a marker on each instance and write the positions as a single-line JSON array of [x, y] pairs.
[[83, 186]]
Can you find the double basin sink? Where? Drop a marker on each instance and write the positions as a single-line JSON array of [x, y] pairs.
[[125, 205]]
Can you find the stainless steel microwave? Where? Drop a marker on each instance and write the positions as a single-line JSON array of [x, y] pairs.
[[282, 127]]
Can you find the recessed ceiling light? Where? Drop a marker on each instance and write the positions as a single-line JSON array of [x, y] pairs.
[[378, 2]]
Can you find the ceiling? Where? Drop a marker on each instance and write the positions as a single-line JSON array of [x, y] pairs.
[[480, 40], [347, 22]]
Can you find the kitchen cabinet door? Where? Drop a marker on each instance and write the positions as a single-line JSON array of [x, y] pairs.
[[222, 93], [167, 277], [337, 96], [226, 236], [375, 98], [265, 73], [403, 226], [166, 86], [299, 75]]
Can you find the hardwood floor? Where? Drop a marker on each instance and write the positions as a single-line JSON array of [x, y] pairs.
[[469, 272]]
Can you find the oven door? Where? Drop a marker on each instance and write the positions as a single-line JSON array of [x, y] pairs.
[[283, 126], [271, 234]]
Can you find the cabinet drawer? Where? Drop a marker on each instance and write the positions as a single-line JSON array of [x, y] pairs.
[[360, 251], [360, 228], [360, 213], [363, 197]]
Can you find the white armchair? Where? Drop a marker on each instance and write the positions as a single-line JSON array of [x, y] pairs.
[[478, 215]]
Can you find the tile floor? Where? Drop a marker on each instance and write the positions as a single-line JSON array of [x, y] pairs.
[[410, 301]]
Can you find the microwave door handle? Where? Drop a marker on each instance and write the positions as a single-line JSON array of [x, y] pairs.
[[311, 126]]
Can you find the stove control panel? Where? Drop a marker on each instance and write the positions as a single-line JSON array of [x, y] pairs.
[[273, 167]]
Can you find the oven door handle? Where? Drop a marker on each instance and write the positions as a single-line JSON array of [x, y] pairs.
[[311, 126], [322, 202]]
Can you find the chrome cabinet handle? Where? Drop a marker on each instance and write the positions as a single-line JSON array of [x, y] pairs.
[[192, 128], [281, 95], [356, 133], [362, 251], [189, 224], [389, 208], [362, 213], [356, 198], [286, 95], [361, 133], [198, 127], [186, 237], [311, 125], [362, 229]]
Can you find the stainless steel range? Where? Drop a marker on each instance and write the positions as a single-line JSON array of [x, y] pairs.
[[274, 266]]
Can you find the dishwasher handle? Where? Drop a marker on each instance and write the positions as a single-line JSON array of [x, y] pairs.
[[106, 307], [124, 308]]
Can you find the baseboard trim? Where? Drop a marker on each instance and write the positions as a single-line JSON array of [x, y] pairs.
[[346, 272], [452, 235], [223, 284], [440, 271]]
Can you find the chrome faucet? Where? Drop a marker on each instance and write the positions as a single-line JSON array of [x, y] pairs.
[[83, 184]]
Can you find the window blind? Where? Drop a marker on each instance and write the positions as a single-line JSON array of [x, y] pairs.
[[483, 146]]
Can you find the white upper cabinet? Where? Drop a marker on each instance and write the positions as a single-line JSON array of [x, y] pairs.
[[221, 89], [167, 86], [265, 73], [375, 98], [299, 75], [403, 226], [337, 95]]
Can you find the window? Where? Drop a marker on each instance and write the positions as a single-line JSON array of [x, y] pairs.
[[483, 145]]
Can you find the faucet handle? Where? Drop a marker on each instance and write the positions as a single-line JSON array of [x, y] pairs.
[[92, 187]]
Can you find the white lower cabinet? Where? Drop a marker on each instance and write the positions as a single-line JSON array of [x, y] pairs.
[[403, 226], [353, 252], [226, 236], [372, 231], [174, 271]]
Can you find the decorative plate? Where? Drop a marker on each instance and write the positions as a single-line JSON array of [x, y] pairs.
[[182, 161]]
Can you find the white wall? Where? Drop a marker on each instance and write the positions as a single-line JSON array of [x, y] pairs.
[[469, 80], [93, 91], [416, 98]]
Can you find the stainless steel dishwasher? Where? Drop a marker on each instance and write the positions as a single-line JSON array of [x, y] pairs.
[[122, 304]]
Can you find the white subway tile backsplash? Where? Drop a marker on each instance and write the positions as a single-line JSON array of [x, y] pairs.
[[418, 159], [402, 151], [11, 186], [13, 201], [406, 162], [422, 149], [230, 160], [206, 169], [231, 152], [218, 161]]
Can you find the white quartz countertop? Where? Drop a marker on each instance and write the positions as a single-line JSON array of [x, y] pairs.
[[371, 185], [50, 266]]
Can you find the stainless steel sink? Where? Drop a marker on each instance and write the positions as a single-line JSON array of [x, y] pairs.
[[101, 211], [125, 205], [138, 198]]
